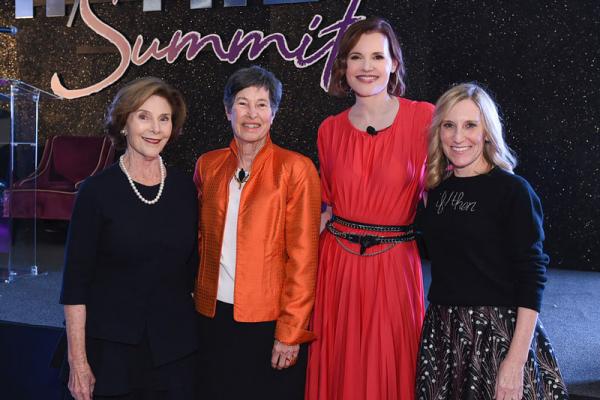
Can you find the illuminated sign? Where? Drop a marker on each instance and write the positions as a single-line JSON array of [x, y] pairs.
[[56, 8], [191, 43]]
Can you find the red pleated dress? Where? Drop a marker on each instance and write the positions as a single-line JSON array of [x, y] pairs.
[[369, 309]]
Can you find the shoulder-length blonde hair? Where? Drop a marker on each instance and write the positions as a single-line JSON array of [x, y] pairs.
[[496, 152]]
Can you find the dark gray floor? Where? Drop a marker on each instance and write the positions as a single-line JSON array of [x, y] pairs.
[[570, 313], [34, 299]]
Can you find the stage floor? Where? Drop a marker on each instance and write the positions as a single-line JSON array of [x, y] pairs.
[[570, 313]]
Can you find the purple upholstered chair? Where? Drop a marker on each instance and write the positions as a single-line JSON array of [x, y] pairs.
[[66, 162]]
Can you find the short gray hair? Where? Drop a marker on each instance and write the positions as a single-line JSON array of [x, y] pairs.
[[253, 76]]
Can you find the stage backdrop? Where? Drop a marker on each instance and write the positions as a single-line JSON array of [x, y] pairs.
[[540, 59]]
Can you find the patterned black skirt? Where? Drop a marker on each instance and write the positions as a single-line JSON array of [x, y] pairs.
[[461, 350]]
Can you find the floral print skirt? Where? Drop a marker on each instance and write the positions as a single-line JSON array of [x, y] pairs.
[[461, 350]]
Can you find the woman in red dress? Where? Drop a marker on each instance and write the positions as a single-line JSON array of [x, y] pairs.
[[369, 305]]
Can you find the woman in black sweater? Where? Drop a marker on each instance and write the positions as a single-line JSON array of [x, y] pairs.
[[483, 229], [131, 259]]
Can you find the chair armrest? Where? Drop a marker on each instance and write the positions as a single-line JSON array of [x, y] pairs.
[[43, 166], [106, 145]]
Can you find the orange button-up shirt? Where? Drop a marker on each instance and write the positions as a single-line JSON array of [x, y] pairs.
[[277, 238]]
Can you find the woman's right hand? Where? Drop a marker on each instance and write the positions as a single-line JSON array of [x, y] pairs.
[[325, 216], [81, 381]]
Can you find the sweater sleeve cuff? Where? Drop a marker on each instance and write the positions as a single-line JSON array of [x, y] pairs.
[[292, 335], [527, 301]]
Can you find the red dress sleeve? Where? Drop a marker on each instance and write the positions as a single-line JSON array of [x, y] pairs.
[[324, 149]]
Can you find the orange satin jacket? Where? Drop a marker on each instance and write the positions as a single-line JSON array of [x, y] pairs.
[[277, 238]]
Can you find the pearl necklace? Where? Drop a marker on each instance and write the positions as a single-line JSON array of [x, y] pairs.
[[135, 189]]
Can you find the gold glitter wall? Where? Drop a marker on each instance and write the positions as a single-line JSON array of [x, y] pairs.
[[523, 51], [8, 53], [8, 46]]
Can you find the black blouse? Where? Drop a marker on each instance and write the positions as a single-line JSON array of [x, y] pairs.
[[133, 264]]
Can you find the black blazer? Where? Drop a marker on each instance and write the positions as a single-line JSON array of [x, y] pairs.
[[133, 264]]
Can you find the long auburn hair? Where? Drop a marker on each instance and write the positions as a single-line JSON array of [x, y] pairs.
[[338, 85]]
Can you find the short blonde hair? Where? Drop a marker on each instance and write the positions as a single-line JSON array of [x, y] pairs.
[[496, 152]]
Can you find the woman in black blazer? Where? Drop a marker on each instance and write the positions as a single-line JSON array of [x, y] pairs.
[[131, 258]]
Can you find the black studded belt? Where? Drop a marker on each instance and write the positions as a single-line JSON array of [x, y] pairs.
[[366, 241]]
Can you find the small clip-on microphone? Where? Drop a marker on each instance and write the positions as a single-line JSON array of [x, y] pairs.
[[371, 131]]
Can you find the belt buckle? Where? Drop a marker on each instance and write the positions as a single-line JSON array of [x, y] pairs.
[[366, 241]]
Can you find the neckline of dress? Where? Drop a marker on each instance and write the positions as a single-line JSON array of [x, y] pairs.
[[143, 186], [384, 130]]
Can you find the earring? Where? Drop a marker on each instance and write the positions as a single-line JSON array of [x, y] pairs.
[[124, 132]]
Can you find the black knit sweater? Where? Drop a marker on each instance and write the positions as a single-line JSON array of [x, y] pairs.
[[484, 238]]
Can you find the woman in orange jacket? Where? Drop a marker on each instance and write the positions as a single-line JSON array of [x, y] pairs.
[[259, 210]]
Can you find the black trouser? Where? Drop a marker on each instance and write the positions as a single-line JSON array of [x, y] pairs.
[[235, 361]]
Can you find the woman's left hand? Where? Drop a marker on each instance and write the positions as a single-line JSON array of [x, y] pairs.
[[509, 382], [283, 355]]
